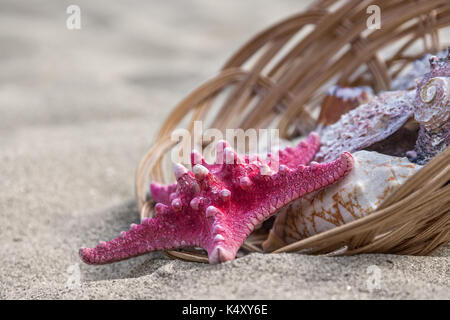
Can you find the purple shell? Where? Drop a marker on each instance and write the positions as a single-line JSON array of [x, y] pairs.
[[367, 124]]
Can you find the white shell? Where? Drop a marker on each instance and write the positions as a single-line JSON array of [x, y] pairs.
[[374, 177]]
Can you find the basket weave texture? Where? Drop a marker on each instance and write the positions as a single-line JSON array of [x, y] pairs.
[[278, 79]]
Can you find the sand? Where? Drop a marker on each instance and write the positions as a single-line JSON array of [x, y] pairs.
[[80, 108]]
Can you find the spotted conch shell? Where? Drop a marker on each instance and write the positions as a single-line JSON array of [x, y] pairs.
[[374, 177]]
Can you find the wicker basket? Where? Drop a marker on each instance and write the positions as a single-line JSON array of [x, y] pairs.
[[278, 79]]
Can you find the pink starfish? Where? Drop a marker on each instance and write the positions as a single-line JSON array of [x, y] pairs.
[[217, 206]]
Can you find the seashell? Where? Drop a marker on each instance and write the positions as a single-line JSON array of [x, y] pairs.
[[408, 80], [432, 111], [374, 177], [384, 115], [340, 100], [369, 123]]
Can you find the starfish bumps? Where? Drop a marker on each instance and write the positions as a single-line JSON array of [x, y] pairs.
[[216, 206]]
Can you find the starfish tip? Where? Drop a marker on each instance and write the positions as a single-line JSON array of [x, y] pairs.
[[84, 254], [347, 158], [179, 170], [220, 254]]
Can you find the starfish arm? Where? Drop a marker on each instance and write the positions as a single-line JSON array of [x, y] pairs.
[[161, 193], [288, 184], [303, 153], [185, 222], [167, 230]]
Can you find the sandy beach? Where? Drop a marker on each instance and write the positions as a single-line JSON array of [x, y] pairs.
[[79, 108]]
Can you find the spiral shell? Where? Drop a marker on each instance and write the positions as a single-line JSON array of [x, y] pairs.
[[433, 103], [432, 111]]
